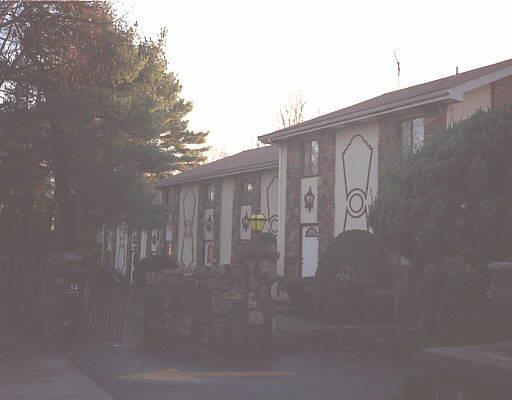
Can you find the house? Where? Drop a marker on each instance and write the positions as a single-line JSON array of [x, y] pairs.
[[329, 166], [209, 206]]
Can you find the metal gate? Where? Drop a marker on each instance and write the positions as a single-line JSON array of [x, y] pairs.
[[106, 311]]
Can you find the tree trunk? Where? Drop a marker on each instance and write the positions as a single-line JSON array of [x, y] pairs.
[[66, 217], [65, 225]]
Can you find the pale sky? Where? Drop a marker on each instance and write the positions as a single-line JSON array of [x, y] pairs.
[[240, 61]]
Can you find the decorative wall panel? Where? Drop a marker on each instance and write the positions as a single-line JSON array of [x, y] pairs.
[[245, 228], [356, 176], [209, 222], [309, 200], [188, 226], [269, 201]]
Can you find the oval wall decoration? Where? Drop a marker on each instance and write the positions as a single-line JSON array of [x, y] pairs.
[[187, 243], [357, 163]]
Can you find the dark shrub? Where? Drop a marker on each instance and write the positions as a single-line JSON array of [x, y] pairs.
[[152, 263], [453, 197], [353, 281], [448, 209], [300, 292], [451, 297]]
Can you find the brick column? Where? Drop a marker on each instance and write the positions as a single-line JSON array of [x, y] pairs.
[[237, 203], [501, 92], [200, 224], [292, 239], [389, 144], [435, 119], [217, 218], [326, 179]]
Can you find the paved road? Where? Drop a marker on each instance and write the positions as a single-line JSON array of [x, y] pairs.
[[129, 372]]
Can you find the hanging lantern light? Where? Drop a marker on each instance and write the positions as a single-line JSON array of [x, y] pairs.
[[257, 221]]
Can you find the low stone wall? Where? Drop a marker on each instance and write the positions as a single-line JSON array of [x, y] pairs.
[[226, 305], [295, 334]]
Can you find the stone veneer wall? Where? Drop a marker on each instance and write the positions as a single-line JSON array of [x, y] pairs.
[[292, 217], [501, 92], [227, 305], [216, 219], [236, 242], [326, 179], [435, 118], [173, 200]]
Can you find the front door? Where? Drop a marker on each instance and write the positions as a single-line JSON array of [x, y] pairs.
[[309, 250]]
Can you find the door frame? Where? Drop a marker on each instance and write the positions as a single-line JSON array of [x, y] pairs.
[[301, 226]]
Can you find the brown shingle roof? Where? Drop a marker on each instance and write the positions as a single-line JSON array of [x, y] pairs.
[[266, 157], [426, 90]]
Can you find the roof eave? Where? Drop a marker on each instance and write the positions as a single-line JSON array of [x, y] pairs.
[[176, 180], [362, 115]]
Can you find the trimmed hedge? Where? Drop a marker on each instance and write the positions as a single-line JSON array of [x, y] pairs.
[[353, 282]]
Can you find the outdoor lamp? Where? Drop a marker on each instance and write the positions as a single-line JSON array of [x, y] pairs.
[[257, 221]]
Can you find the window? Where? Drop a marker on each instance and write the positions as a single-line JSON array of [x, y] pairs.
[[412, 132], [310, 158], [247, 191], [210, 196]]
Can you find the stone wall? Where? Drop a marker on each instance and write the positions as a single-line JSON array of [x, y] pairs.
[[226, 305]]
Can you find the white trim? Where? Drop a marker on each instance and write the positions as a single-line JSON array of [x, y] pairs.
[[176, 179], [458, 91], [366, 114], [281, 209], [454, 93]]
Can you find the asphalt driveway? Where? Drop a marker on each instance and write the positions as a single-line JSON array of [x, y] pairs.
[[131, 372]]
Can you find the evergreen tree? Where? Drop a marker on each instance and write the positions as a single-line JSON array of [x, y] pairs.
[[454, 197], [88, 113]]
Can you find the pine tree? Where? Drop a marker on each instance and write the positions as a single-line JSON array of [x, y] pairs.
[[88, 111]]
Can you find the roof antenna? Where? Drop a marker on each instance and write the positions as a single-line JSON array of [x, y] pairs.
[[398, 69], [457, 70]]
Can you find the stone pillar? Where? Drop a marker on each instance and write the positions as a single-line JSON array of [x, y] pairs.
[[261, 260], [62, 296]]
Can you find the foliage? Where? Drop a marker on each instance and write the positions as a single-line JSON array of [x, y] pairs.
[[448, 209], [451, 302], [152, 263], [452, 197], [88, 113], [352, 280], [300, 292]]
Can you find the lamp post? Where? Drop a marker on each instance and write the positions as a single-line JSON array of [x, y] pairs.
[[257, 222]]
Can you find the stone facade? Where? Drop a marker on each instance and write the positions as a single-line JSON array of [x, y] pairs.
[[229, 305], [389, 150], [172, 203], [292, 217], [501, 92], [172, 200], [236, 242], [201, 219], [326, 170]]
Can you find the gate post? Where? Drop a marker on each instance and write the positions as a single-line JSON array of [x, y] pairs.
[[260, 258], [63, 295]]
